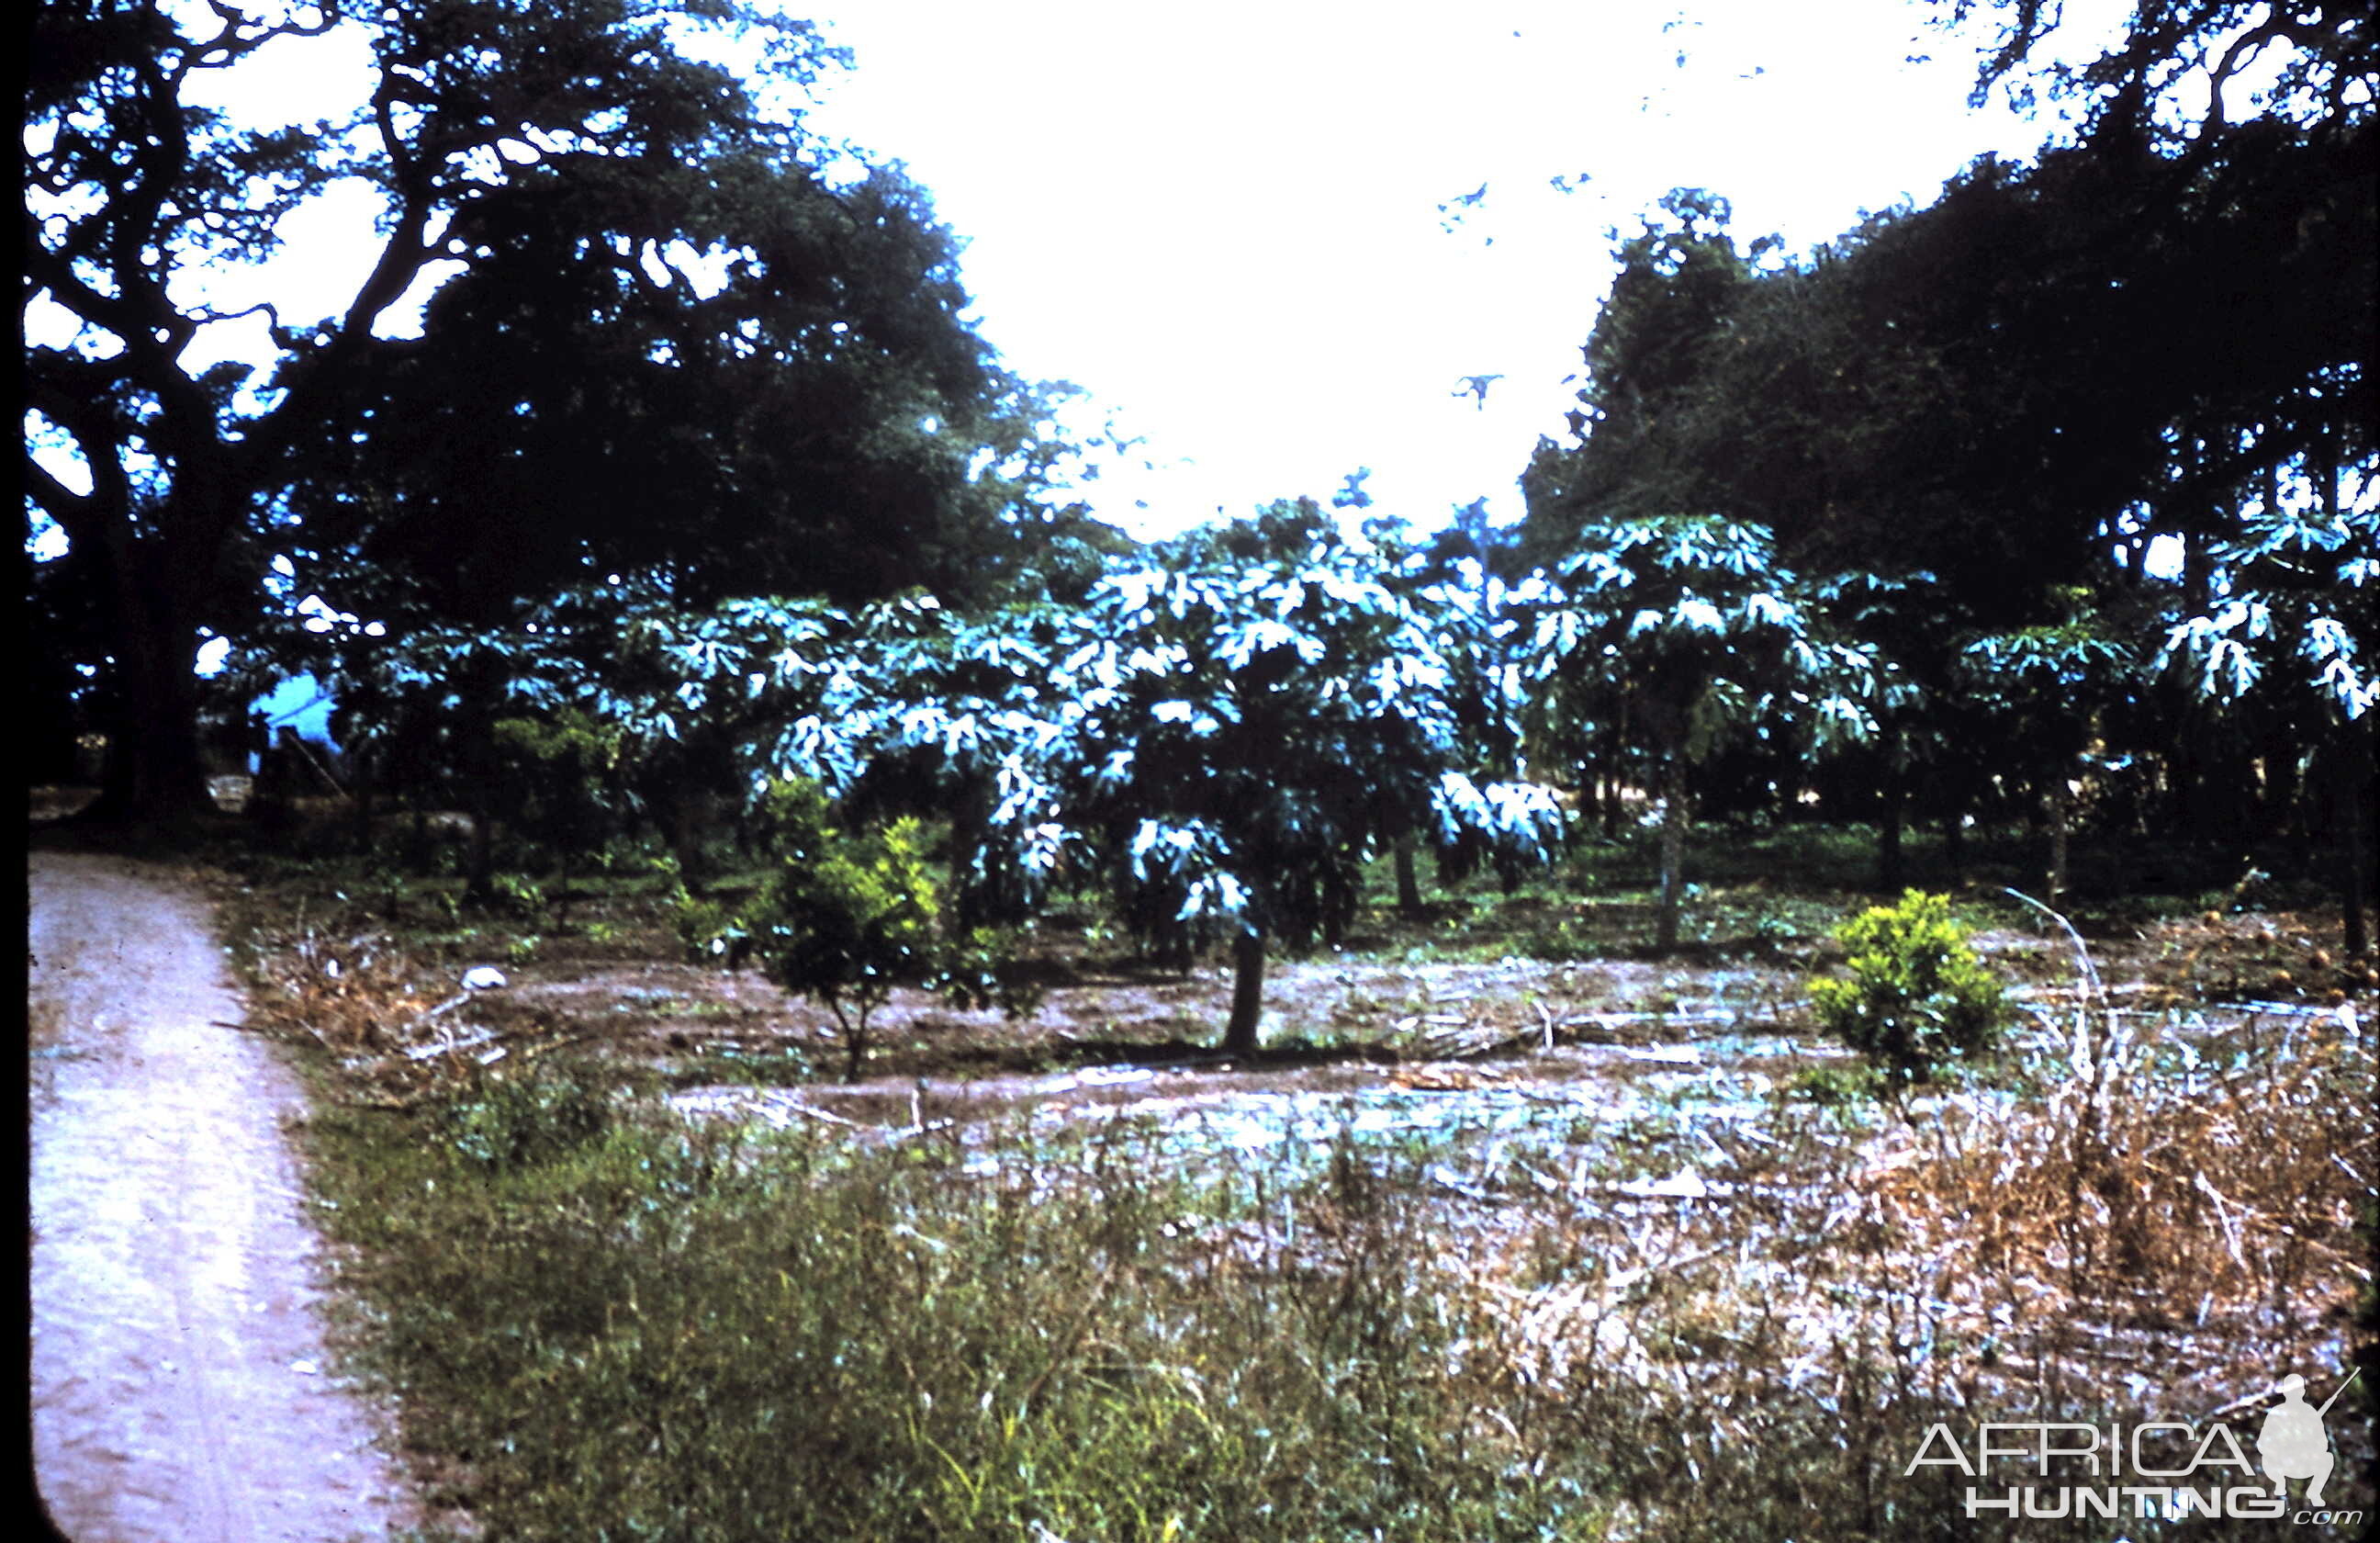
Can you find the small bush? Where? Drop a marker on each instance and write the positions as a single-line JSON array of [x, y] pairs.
[[845, 916], [1916, 994], [511, 895], [519, 1121]]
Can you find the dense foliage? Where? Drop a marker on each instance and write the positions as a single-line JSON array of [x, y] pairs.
[[2074, 416]]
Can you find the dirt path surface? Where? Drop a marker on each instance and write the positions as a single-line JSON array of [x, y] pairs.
[[180, 1387]]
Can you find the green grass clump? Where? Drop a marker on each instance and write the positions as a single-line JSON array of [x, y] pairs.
[[1916, 995]]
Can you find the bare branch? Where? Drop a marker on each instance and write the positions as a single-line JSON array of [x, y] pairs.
[[230, 45], [208, 317]]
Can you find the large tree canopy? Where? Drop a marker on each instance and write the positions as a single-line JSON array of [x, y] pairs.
[[2018, 433], [660, 332], [2180, 67], [1998, 389]]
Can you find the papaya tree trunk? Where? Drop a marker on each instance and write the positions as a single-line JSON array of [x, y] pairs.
[[1247, 994], [1890, 870], [360, 792], [2354, 839], [1674, 815], [686, 824], [2061, 798], [480, 886], [1408, 881]]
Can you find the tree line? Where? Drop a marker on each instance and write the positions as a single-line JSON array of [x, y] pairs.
[[2053, 496]]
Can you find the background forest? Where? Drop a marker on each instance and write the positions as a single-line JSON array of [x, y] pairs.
[[2048, 500]]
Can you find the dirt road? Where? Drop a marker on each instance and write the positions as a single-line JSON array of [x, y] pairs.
[[180, 1384]]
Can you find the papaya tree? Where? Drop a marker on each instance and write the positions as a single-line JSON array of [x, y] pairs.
[[2045, 689], [1240, 739], [2301, 624], [692, 689], [557, 781], [1219, 743], [1687, 631]]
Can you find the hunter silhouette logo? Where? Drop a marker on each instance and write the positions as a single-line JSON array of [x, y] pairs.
[[2293, 1443]]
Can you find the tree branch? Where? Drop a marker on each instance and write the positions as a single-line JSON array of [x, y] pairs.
[[76, 512], [207, 317], [227, 47], [99, 436]]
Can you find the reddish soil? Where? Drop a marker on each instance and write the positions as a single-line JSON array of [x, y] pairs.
[[180, 1388]]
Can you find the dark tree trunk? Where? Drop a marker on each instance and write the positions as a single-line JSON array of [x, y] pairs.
[[2062, 799], [155, 771], [116, 772], [480, 886], [2185, 767], [361, 791], [2354, 783], [1408, 880], [1890, 870], [1674, 815], [2283, 764], [1954, 840], [686, 823], [1342, 896], [1247, 994], [157, 768]]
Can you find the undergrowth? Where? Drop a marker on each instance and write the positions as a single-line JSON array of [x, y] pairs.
[[608, 1322], [642, 1328], [623, 1324]]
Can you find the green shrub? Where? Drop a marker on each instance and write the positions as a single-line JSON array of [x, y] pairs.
[[513, 895], [520, 1121], [1916, 994], [1838, 1090], [845, 916]]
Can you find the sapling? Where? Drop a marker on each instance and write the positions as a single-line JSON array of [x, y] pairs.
[[847, 915], [1916, 995]]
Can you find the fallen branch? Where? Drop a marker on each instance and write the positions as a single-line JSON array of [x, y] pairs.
[[431, 1052], [807, 1112]]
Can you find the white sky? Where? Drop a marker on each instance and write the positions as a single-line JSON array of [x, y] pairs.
[[1223, 222]]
